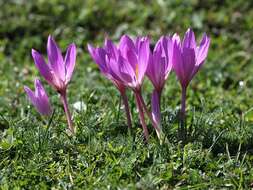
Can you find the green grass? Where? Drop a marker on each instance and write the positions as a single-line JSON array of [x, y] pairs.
[[36, 153]]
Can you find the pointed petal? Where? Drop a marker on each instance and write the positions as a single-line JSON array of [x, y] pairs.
[[160, 42], [126, 43], [42, 66], [111, 49], [113, 67], [189, 63], [176, 39], [131, 57], [177, 62], [70, 60], [202, 50], [39, 89], [42, 101], [150, 72], [99, 57], [127, 74], [30, 95], [189, 39], [168, 49], [158, 66], [55, 58], [143, 59]]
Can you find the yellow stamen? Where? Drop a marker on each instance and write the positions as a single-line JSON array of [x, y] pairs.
[[136, 71]]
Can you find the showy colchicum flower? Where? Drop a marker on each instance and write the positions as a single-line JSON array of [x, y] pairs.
[[106, 58], [58, 71], [187, 60], [159, 67], [130, 70], [39, 98]]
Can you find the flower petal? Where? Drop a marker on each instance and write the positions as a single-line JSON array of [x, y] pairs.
[[125, 44], [30, 95], [189, 63], [131, 57], [111, 49], [43, 105], [99, 57], [39, 99], [126, 72], [189, 39], [143, 59], [177, 61], [70, 60], [55, 58], [202, 50], [42, 66]]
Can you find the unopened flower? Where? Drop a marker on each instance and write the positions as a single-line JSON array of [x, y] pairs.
[[39, 98]]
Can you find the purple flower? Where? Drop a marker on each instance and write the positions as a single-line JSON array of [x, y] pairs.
[[187, 60], [39, 98], [188, 57], [58, 71], [159, 67], [132, 61], [130, 69], [106, 58]]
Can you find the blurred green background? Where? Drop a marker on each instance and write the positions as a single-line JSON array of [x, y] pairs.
[[220, 114]]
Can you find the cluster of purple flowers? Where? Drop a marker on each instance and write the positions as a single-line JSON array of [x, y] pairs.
[[126, 65]]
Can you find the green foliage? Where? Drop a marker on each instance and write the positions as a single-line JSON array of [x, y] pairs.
[[35, 154]]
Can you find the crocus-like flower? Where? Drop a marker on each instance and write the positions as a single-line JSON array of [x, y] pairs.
[[187, 60], [57, 72], [39, 98], [130, 70], [106, 58], [159, 67]]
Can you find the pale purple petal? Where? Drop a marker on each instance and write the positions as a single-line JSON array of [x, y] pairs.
[[42, 66], [127, 74], [150, 72], [189, 63], [55, 58], [113, 67], [30, 95], [39, 99], [157, 58], [111, 49], [131, 57], [99, 57], [143, 59], [70, 60], [177, 61], [126, 43], [202, 50], [189, 40], [176, 39]]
